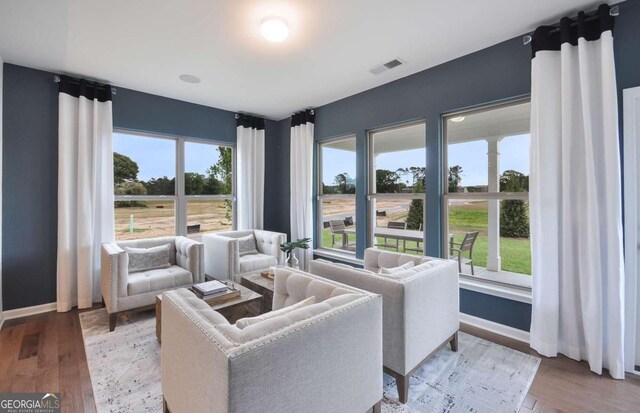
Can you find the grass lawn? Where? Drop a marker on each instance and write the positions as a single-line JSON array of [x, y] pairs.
[[469, 217]]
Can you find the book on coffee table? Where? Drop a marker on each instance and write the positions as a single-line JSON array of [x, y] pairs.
[[209, 288]]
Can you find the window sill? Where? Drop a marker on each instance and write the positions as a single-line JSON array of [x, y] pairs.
[[333, 255], [522, 295]]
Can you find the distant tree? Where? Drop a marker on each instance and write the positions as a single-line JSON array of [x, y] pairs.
[[345, 184], [514, 213], [160, 186], [193, 183], [387, 182], [415, 217], [124, 169], [455, 177], [130, 188], [221, 172]]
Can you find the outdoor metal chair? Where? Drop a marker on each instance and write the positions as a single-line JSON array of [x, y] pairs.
[[338, 229], [456, 250], [389, 244]]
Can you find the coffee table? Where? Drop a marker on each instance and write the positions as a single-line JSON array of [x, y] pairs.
[[261, 285], [249, 304]]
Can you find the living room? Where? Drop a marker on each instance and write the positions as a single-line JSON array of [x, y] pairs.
[[334, 206]]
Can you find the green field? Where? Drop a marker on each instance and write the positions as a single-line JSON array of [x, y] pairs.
[[469, 217]]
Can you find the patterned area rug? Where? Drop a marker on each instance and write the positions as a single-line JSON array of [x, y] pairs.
[[481, 377]]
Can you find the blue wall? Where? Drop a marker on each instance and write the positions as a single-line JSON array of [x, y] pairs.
[[30, 165]]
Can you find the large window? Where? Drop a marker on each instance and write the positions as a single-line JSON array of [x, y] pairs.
[[397, 165], [486, 192], [151, 202], [336, 208]]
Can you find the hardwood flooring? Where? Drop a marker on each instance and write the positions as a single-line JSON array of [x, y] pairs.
[[45, 353]]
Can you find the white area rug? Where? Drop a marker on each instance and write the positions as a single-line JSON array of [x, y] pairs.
[[481, 377]]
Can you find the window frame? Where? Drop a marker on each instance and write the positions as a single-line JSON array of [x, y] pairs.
[[322, 196], [371, 179], [478, 196], [179, 198]]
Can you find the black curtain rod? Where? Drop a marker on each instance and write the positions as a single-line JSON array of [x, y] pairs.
[[73, 80], [613, 11]]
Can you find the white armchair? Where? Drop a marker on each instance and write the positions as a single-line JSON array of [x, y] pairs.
[[124, 290], [223, 259], [421, 306], [322, 357]]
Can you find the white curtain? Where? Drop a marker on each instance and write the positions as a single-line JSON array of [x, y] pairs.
[[302, 182], [250, 133], [575, 195], [85, 190]]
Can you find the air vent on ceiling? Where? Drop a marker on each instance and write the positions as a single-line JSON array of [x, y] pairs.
[[386, 66]]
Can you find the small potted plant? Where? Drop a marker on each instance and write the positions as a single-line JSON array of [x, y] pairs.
[[289, 247]]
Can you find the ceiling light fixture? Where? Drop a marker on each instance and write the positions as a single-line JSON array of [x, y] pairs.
[[189, 78], [457, 119], [274, 29]]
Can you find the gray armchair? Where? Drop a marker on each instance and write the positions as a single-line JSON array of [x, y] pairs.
[[123, 290], [223, 259]]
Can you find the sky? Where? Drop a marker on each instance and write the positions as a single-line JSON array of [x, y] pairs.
[[157, 157], [472, 156]]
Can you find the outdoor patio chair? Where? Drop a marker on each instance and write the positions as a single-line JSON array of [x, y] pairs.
[[389, 241], [456, 250], [338, 229], [418, 249]]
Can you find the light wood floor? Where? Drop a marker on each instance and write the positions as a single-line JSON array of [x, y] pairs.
[[45, 353]]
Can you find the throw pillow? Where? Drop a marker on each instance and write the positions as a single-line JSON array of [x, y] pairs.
[[245, 322], [247, 245], [143, 259], [386, 271]]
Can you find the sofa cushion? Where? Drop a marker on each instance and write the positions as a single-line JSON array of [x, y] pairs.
[[142, 259], [393, 270], [247, 245], [425, 266], [255, 262], [283, 319], [245, 322], [158, 279]]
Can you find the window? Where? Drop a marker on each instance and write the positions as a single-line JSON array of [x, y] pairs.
[[336, 209], [151, 202], [397, 170], [486, 191]]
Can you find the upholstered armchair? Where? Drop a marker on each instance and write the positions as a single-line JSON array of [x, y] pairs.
[[232, 254], [124, 289], [320, 350], [421, 306]]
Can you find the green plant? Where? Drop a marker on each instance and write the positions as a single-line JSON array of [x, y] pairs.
[[287, 247]]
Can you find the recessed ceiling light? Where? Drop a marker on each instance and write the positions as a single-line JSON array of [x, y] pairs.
[[457, 119], [189, 78], [274, 29]]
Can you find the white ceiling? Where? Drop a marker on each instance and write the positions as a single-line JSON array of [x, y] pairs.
[[146, 44]]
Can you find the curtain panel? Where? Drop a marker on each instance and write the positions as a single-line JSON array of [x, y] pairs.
[[302, 126], [575, 194], [250, 134], [85, 189]]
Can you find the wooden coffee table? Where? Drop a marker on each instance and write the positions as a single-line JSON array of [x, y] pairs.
[[249, 304], [261, 285]]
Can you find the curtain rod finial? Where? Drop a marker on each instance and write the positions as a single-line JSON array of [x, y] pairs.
[[614, 10], [237, 116], [526, 39]]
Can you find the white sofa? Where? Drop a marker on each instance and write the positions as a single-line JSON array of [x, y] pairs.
[[324, 357], [421, 306], [123, 290], [222, 253]]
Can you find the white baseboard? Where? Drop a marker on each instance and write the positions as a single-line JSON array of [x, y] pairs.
[[494, 327], [27, 311]]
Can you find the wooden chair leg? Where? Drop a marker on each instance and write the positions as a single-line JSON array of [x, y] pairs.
[[403, 388], [377, 408], [113, 318], [165, 407], [103, 303], [454, 342]]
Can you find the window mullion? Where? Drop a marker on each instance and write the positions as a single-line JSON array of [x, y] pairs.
[[181, 202]]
